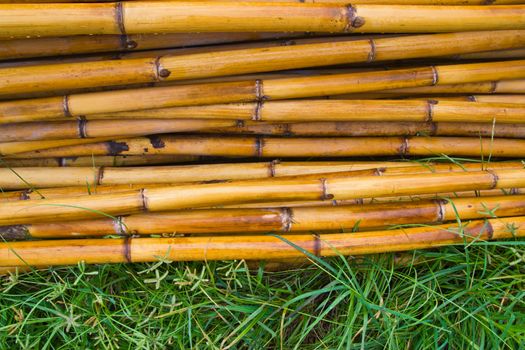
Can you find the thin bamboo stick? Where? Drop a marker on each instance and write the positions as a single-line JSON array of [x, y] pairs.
[[374, 2], [491, 55], [310, 187], [23, 20], [168, 67], [83, 44], [258, 146], [349, 218], [431, 110], [98, 161], [91, 251], [278, 89], [41, 177]]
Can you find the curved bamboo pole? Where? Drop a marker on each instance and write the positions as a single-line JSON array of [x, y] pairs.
[[250, 146], [168, 67], [431, 110], [310, 187], [83, 44], [277, 89], [41, 177], [92, 251], [282, 220], [26, 20]]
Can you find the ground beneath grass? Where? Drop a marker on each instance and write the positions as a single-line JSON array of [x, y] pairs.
[[462, 297]]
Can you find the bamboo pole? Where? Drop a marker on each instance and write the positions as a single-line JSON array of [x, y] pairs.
[[93, 176], [168, 67], [310, 187], [349, 218], [92, 251], [27, 20], [263, 147], [97, 129], [83, 44], [277, 89], [431, 110], [346, 129], [374, 2], [36, 146], [111, 161]]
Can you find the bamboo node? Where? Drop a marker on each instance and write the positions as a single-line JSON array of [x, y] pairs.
[[14, 233], [441, 210], [259, 90], [127, 249], [372, 53], [160, 72], [324, 188], [353, 20], [493, 87], [143, 200], [259, 145], [100, 175], [256, 116], [430, 110], [271, 167], [24, 195], [515, 190], [317, 245], [495, 178], [120, 228], [404, 147], [65, 107], [82, 123], [286, 219], [472, 98], [379, 171], [435, 75], [119, 17]]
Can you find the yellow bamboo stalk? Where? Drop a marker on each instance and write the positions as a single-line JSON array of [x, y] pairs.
[[38, 78], [91, 251], [82, 44], [98, 129], [36, 146], [22, 20], [277, 89], [94, 177], [97, 161], [250, 146], [348, 218], [375, 2], [431, 110], [308, 187]]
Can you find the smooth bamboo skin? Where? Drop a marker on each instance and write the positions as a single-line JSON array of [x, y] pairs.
[[83, 44], [66, 76], [278, 89], [360, 129], [310, 187], [97, 129], [93, 251], [110, 161], [94, 177], [29, 146], [264, 147], [284, 220], [348, 110], [29, 20], [374, 2], [491, 55]]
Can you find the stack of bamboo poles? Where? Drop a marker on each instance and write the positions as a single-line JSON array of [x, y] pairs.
[[203, 130]]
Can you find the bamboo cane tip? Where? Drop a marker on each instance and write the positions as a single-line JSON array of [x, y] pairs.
[[14, 232]]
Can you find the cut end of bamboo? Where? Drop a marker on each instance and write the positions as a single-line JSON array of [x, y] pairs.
[[14, 233]]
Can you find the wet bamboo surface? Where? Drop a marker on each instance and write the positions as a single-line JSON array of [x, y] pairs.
[[331, 186], [30, 20], [96, 176], [347, 218], [42, 77], [255, 247], [243, 91], [274, 147]]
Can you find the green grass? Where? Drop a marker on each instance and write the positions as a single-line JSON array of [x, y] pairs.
[[457, 297]]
